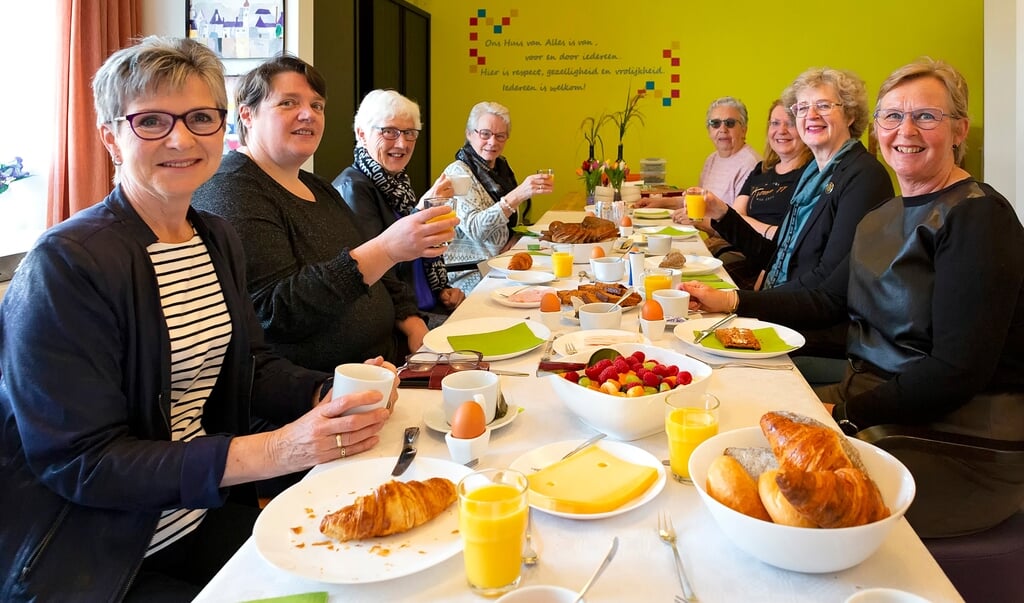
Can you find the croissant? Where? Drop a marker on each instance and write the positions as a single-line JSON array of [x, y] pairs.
[[842, 498], [393, 508], [803, 443]]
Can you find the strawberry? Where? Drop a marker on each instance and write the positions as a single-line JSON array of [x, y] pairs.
[[572, 376], [638, 355], [594, 372], [651, 379], [608, 373], [684, 378]]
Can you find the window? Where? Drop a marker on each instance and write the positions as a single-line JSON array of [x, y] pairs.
[[29, 46]]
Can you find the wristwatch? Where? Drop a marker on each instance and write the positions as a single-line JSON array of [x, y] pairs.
[[839, 414]]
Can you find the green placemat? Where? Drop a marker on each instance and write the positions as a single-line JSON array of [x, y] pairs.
[[516, 338], [770, 342], [320, 597]]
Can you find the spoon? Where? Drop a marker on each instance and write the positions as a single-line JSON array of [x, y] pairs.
[[625, 294], [600, 569]]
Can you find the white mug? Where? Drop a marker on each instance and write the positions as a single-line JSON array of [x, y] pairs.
[[608, 270], [354, 377], [675, 302], [600, 316], [460, 183], [659, 244], [465, 386]]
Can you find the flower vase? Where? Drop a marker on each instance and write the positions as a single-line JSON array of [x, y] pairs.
[[618, 194]]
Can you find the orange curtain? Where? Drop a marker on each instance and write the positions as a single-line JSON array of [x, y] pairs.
[[91, 30]]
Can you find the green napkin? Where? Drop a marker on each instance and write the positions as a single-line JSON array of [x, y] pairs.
[[652, 214], [525, 230], [516, 338], [675, 232], [303, 598], [770, 342]]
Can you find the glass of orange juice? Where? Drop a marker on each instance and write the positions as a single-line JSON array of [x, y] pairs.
[[561, 263], [689, 420], [492, 522], [655, 279], [441, 201], [695, 203]]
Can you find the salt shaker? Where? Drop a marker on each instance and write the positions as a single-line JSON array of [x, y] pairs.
[[636, 266]]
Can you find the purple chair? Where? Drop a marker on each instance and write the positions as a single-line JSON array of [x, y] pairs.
[[968, 507]]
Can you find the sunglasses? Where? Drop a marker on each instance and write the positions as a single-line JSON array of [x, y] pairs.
[[714, 124]]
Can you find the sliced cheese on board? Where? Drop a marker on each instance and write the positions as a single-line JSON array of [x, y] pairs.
[[591, 481]]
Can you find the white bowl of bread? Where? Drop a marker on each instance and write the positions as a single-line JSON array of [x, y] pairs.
[[628, 418], [773, 490]]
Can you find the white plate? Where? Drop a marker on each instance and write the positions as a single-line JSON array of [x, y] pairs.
[[436, 340], [292, 519], [500, 263], [652, 213], [696, 265], [610, 337], [502, 297], [570, 315], [545, 455], [434, 418], [685, 333], [530, 277], [688, 231]]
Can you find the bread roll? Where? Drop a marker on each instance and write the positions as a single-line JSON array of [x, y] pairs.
[[521, 261], [731, 485], [776, 504]]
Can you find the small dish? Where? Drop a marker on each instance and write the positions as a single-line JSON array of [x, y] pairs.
[[541, 260], [530, 277], [433, 417]]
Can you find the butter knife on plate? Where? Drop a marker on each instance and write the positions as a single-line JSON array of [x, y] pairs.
[[702, 335], [408, 450]]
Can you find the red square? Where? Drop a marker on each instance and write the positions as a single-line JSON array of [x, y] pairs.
[[481, 60], [675, 62], [506, 21], [665, 54], [675, 93], [675, 78], [472, 52], [472, 21], [472, 36]]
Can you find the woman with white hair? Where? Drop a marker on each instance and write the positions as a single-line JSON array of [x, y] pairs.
[[379, 191], [491, 208]]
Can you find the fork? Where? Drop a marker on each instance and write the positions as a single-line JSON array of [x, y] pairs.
[[530, 556], [667, 533], [772, 367], [570, 349]]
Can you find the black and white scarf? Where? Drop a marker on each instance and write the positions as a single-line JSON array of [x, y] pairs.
[[398, 193], [498, 181]]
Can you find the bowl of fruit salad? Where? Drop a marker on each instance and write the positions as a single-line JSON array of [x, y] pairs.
[[625, 398]]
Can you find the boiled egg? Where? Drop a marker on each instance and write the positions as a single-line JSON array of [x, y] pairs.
[[625, 221], [550, 303], [652, 310], [597, 252], [468, 421]]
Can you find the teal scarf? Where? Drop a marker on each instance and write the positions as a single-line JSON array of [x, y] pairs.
[[805, 196]]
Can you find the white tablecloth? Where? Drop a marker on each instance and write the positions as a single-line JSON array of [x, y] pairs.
[[571, 549]]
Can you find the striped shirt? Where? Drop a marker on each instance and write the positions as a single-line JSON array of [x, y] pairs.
[[199, 329]]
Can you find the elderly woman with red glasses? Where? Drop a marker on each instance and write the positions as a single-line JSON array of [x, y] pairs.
[[495, 203]]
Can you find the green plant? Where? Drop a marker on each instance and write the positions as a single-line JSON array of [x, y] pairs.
[[622, 119], [591, 128]]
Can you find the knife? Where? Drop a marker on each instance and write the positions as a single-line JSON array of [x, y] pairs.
[[408, 451], [708, 331], [560, 366], [545, 354]]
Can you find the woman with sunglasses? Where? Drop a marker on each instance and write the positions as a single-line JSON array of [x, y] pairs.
[[322, 289], [379, 191], [934, 287], [133, 371], [495, 202]]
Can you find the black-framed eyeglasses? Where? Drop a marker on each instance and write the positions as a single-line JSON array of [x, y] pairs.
[[154, 125], [486, 135], [460, 360], [388, 133], [822, 107], [730, 123], [926, 118]]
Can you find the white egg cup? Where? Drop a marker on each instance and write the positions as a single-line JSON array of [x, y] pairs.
[[463, 450], [653, 329]]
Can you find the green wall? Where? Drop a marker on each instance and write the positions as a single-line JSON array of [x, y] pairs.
[[751, 50]]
